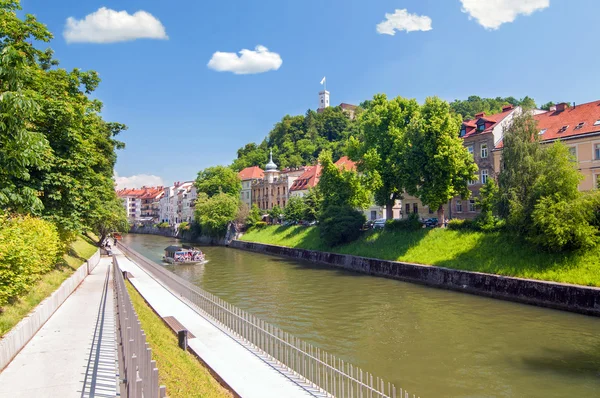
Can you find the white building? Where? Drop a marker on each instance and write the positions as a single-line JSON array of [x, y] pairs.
[[188, 202], [248, 176]]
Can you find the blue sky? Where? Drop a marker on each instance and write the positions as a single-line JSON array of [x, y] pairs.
[[184, 116]]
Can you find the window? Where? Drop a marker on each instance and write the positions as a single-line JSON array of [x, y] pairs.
[[459, 206], [463, 131], [407, 208], [573, 151], [579, 126], [484, 151], [283, 190], [430, 211], [475, 181], [481, 127], [597, 122], [373, 214], [484, 176], [415, 208], [542, 131], [470, 149], [471, 205], [563, 129], [284, 203]]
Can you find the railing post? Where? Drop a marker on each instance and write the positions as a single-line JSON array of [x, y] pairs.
[[182, 337]]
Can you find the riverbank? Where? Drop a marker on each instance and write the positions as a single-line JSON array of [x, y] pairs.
[[493, 253], [80, 250]]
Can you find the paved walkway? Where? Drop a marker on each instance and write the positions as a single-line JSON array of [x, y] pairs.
[[73, 354], [244, 371]]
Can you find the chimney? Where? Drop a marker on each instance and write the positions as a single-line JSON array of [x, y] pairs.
[[480, 114], [507, 108], [552, 108], [562, 106]]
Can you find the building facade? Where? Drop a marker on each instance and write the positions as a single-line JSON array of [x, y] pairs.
[[248, 176], [274, 188], [141, 204]]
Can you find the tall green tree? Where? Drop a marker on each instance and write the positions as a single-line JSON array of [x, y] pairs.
[[379, 147], [341, 187], [437, 165], [521, 167], [314, 203], [295, 209], [215, 213], [214, 180]]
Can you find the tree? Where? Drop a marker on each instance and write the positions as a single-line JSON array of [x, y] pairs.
[[295, 209], [341, 187], [275, 213], [112, 217], [378, 149], [473, 105], [254, 216], [216, 212], [487, 203], [314, 203], [437, 165], [521, 168], [219, 179]]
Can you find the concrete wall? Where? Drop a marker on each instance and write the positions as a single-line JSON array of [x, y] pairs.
[[581, 299], [19, 336]]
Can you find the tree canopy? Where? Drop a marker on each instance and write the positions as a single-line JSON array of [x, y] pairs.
[[438, 166], [213, 180], [57, 153], [473, 105]]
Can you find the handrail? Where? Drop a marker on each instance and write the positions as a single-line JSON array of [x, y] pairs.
[[331, 375], [135, 354]]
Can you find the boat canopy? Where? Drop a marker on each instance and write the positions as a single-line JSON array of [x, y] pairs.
[[173, 249]]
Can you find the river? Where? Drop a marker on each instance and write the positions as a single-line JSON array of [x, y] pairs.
[[432, 342]]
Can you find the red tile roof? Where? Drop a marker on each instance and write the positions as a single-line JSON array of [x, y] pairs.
[[251, 173], [308, 179], [141, 193], [553, 122], [346, 164], [490, 122]]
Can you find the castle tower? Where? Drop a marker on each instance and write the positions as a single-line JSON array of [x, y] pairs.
[[323, 100]]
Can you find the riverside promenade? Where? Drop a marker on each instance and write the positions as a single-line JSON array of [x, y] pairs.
[[74, 353], [241, 369]]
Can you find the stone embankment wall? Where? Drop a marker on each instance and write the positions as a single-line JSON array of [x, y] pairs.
[[187, 236], [574, 298], [19, 336]]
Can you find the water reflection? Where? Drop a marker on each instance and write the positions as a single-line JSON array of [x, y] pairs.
[[429, 341]]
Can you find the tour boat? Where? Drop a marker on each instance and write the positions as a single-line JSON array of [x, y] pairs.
[[183, 255]]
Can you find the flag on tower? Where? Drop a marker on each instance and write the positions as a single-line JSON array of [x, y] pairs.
[[323, 80]]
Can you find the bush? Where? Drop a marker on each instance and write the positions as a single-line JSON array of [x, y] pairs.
[[259, 225], [462, 225], [29, 247], [184, 226], [566, 224], [163, 224], [340, 224], [411, 223]]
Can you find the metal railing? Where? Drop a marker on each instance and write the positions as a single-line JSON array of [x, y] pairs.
[[135, 354], [332, 376]]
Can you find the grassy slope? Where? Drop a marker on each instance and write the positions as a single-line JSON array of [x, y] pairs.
[[178, 370], [79, 251], [496, 253]]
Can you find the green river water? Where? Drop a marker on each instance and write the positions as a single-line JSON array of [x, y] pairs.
[[432, 342]]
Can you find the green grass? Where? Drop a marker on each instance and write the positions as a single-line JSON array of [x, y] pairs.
[[79, 251], [495, 253], [178, 370]]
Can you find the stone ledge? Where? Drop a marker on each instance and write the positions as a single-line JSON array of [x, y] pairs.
[[573, 298]]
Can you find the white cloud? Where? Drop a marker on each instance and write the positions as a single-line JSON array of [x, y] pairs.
[[258, 61], [138, 181], [402, 20], [109, 26], [492, 13]]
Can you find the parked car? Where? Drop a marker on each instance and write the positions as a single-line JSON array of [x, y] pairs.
[[430, 222], [379, 223], [369, 224]]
